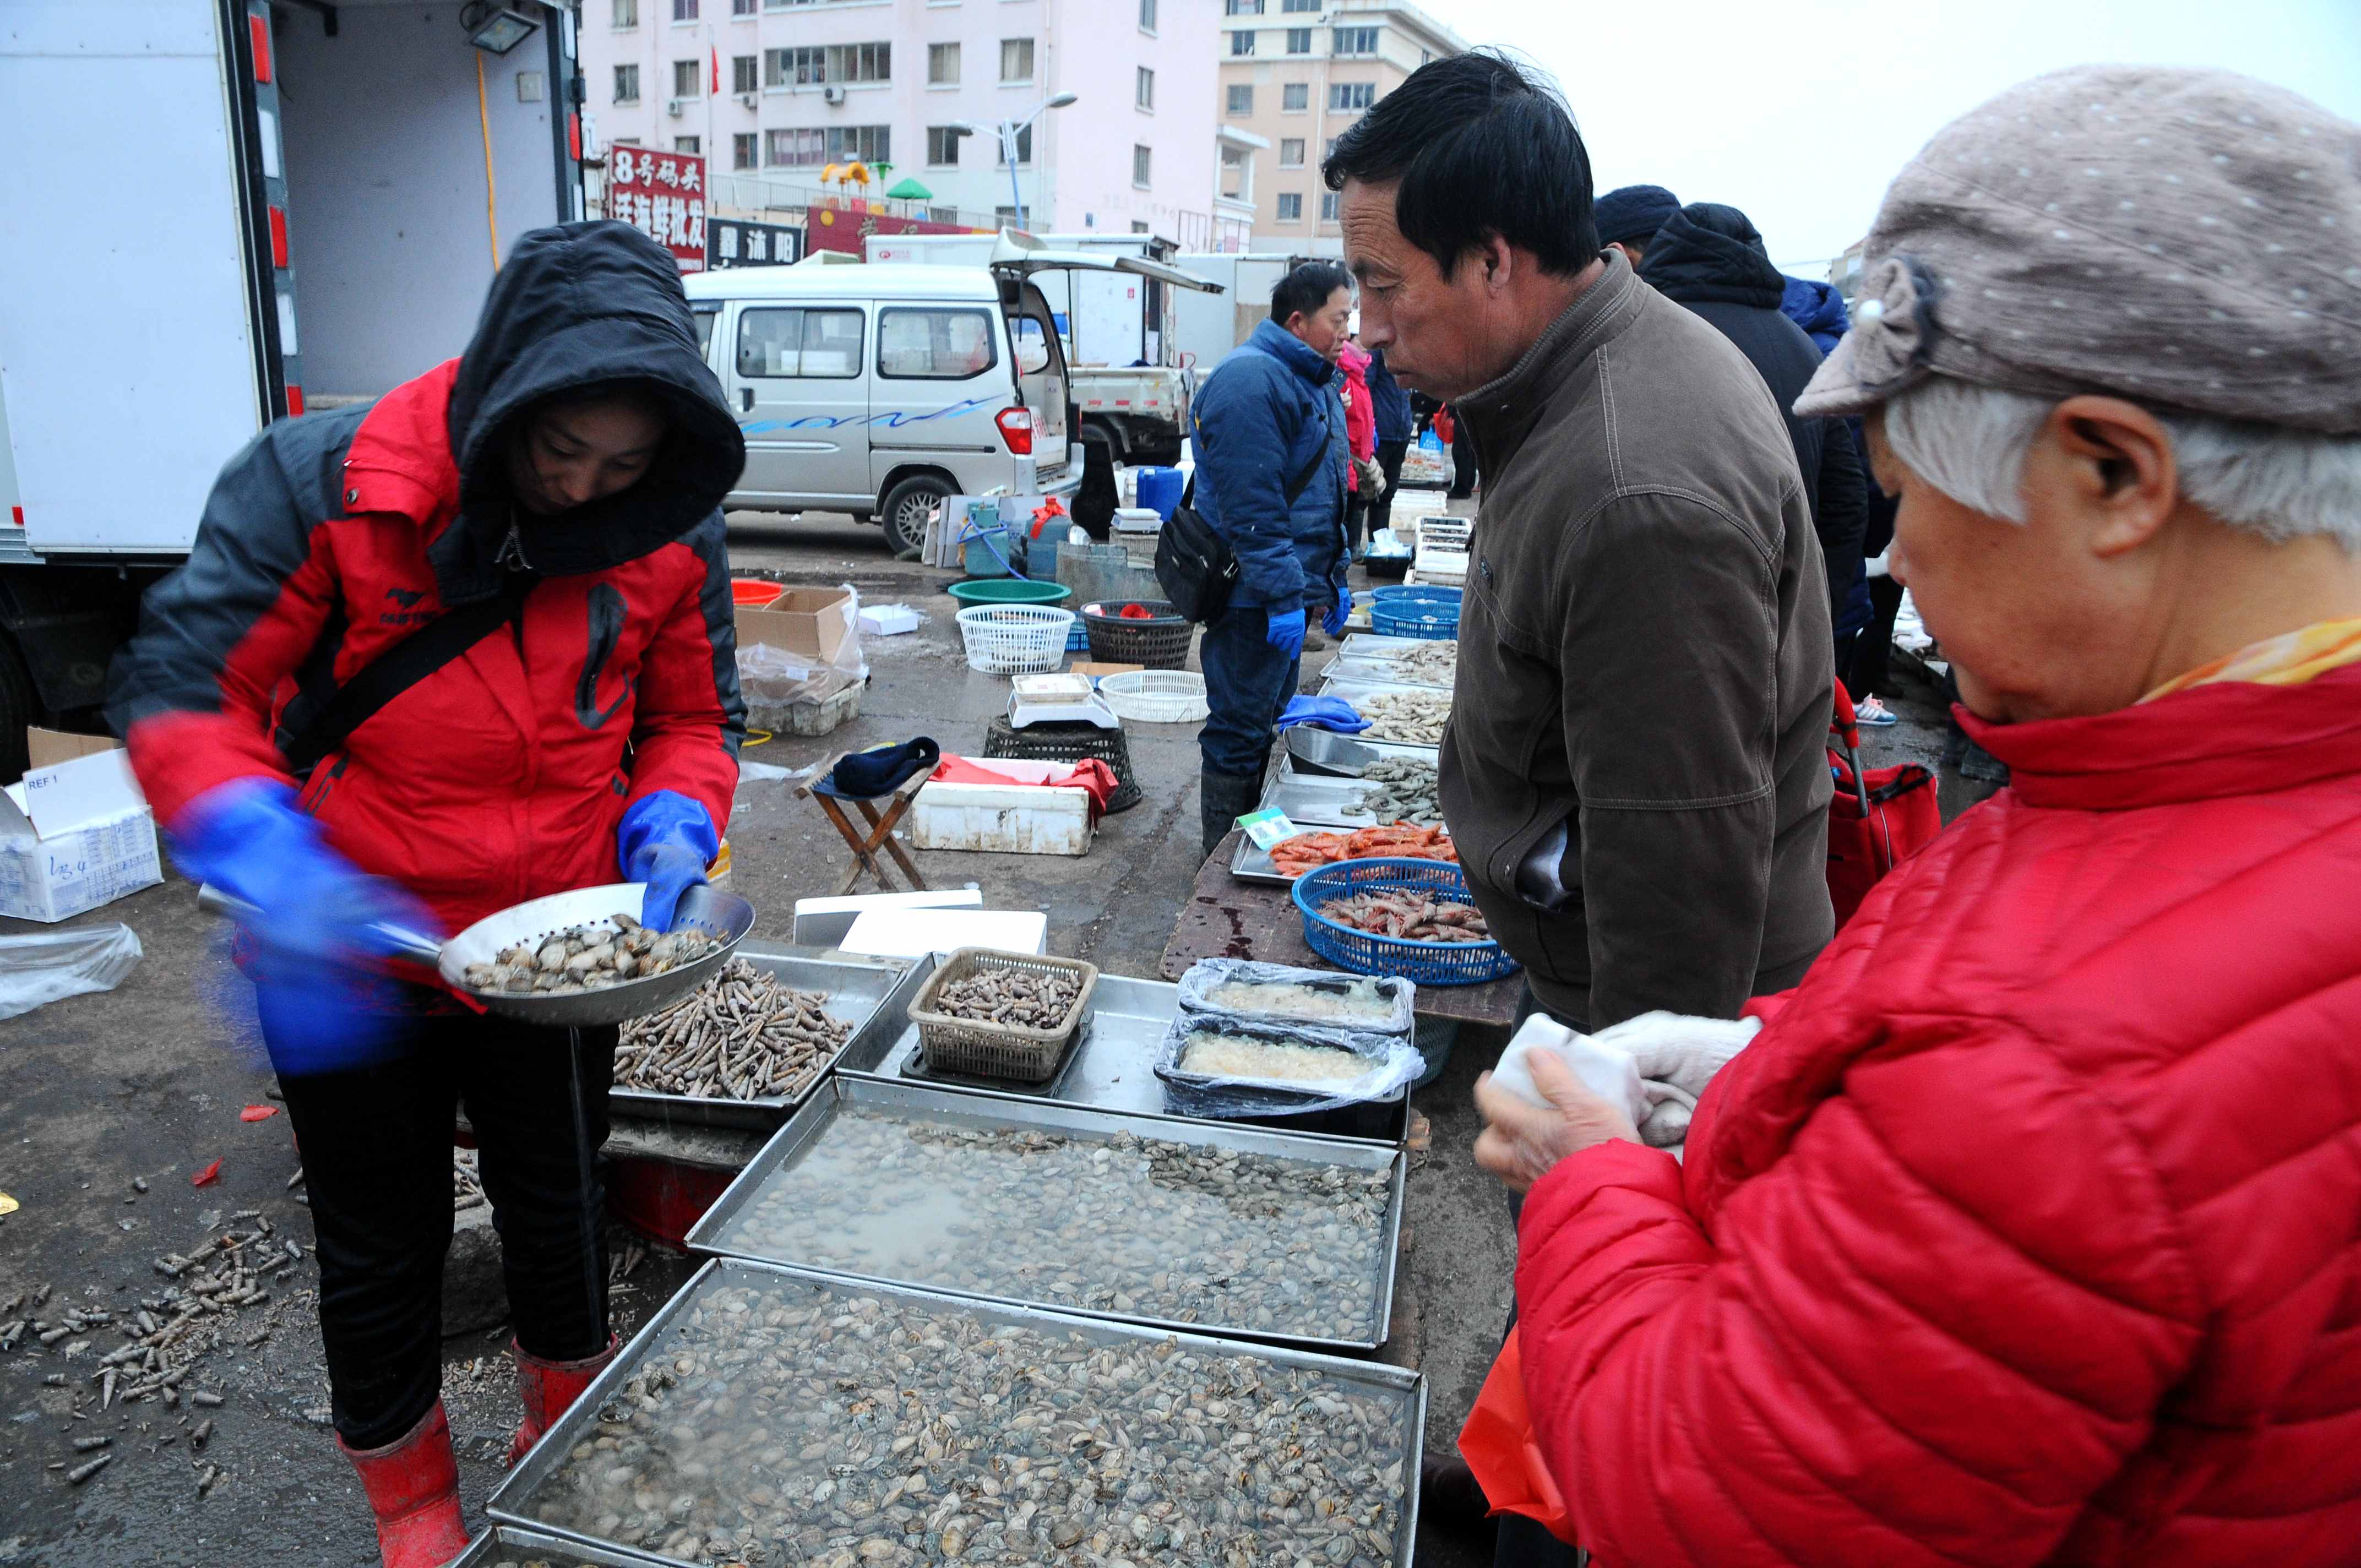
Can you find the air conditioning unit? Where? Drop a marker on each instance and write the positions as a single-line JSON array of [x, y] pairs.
[[748, 100], [831, 95], [674, 107]]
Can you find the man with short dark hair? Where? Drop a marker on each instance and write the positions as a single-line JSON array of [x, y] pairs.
[[1633, 770], [1270, 434], [1628, 217]]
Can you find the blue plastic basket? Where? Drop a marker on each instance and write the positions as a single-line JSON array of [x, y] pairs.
[[1429, 613], [1078, 641], [1427, 963]]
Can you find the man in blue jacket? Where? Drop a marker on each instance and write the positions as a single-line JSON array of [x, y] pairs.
[[1269, 431], [1392, 405]]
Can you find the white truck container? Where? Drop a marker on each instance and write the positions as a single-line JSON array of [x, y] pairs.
[[1130, 385], [1207, 326], [221, 213]]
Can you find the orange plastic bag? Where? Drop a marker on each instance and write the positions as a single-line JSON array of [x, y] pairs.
[[1497, 1443]]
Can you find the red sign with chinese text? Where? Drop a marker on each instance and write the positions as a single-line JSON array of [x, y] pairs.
[[843, 228], [662, 194]]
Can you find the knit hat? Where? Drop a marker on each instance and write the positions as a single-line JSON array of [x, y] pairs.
[[1633, 213], [2181, 237]]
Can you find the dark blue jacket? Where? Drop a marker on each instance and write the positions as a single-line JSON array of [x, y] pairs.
[[1817, 308], [1386, 395], [1268, 410]]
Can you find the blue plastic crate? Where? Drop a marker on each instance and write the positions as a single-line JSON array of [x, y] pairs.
[[1078, 641], [1427, 963], [1429, 613]]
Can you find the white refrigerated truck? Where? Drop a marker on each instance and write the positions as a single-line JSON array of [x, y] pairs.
[[220, 212]]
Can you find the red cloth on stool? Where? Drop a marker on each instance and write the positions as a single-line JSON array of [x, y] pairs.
[[1090, 774]]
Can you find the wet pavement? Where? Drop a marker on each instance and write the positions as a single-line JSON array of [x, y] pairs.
[[149, 1081]]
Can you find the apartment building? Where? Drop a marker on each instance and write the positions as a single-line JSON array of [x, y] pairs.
[[1298, 73], [807, 85]]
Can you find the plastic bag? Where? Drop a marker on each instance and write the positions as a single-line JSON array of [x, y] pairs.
[[1392, 1060], [1497, 1443], [51, 965], [1605, 1068], [769, 676], [1393, 998]]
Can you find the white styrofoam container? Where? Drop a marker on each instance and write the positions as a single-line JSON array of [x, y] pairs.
[[1010, 819], [889, 619], [825, 922], [915, 933]]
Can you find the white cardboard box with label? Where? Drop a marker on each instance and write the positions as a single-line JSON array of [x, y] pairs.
[[74, 835]]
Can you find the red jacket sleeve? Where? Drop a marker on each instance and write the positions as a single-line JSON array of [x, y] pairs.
[[689, 719], [1925, 1334]]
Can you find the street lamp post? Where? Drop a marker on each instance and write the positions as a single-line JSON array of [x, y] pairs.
[[1008, 131]]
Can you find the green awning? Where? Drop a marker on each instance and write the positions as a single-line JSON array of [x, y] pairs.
[[910, 191]]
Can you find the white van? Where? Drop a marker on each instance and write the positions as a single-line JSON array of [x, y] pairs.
[[879, 391]]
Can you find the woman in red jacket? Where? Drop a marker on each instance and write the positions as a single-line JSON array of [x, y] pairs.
[[556, 490], [1360, 443], [2028, 1229]]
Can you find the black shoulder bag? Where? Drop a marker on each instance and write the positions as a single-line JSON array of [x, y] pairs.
[[1195, 564], [395, 671]]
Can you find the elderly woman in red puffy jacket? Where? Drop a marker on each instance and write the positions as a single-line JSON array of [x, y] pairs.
[[2028, 1229], [1362, 479]]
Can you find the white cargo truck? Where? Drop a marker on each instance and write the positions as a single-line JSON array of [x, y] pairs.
[[1207, 326], [222, 213]]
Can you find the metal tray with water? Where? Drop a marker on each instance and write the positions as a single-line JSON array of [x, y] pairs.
[[921, 1239], [506, 1544], [869, 996], [513, 1502]]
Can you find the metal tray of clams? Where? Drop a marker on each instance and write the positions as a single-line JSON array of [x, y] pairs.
[[944, 1232], [514, 1546], [1111, 1068], [1353, 1436], [871, 997]]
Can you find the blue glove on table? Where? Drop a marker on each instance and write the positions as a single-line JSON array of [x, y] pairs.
[[1285, 631], [315, 942], [665, 840], [1334, 621], [1322, 713]]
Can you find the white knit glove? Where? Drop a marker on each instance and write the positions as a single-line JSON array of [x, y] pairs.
[[1373, 478], [1877, 565], [1676, 1056]]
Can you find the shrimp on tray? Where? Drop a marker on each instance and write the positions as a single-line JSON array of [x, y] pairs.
[[1307, 851]]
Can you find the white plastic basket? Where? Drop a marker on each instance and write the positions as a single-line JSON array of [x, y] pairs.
[[1157, 696], [1012, 638]]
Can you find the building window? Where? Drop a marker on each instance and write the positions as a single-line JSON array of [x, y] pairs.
[[869, 144], [1290, 152], [1295, 97], [1024, 147], [1241, 42], [684, 10], [745, 150], [815, 65], [1299, 41], [1141, 165], [687, 78], [744, 8], [1242, 7], [688, 143], [804, 148], [1357, 40], [1291, 207], [861, 63], [935, 345], [627, 84], [1331, 204], [745, 73], [1005, 217], [1351, 95], [1144, 89], [1139, 227], [1292, 7], [942, 147], [627, 13], [942, 64], [1147, 15], [1016, 59], [1241, 98], [1328, 149]]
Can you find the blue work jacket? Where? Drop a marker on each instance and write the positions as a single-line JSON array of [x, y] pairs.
[[1269, 407]]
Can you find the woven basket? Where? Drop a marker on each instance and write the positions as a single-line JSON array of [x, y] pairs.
[[1161, 643], [1012, 638], [1157, 696], [996, 1051], [1363, 953]]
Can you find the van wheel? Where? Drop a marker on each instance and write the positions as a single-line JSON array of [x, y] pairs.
[[906, 507]]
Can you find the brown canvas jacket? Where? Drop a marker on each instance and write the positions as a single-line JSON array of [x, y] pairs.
[[1645, 660]]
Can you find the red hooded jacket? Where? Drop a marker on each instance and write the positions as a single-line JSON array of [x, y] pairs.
[[2028, 1230]]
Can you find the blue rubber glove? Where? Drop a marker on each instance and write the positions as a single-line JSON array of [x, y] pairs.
[[1334, 621], [1322, 713], [665, 840], [313, 954], [1285, 631]]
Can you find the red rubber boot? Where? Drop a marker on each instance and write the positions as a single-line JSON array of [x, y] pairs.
[[549, 1389], [414, 1487]]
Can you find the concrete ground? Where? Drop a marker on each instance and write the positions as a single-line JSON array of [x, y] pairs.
[[149, 1080]]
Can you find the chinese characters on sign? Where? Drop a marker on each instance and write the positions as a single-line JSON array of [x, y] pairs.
[[662, 194], [732, 242]]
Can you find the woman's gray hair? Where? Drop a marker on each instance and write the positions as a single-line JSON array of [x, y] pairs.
[[1970, 442]]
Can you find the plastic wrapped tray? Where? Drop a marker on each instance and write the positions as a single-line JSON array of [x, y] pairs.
[[1394, 1062], [1208, 975]]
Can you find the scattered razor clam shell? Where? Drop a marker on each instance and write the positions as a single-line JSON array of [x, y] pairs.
[[1141, 1227], [993, 993], [588, 957], [1404, 790], [1405, 717], [740, 1036], [778, 1423], [467, 1182], [1215, 1055]]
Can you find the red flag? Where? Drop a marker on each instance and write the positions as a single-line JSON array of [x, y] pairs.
[[716, 88]]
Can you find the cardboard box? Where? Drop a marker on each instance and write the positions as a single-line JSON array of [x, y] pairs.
[[76, 833], [49, 746], [813, 622], [1100, 672]]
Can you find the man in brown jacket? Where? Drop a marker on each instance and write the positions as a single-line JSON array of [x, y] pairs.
[[1634, 770]]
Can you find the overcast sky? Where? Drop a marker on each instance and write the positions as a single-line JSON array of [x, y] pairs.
[[1800, 113]]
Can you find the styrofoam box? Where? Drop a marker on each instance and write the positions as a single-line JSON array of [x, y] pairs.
[[889, 619], [915, 933], [825, 922], [1010, 819], [74, 836]]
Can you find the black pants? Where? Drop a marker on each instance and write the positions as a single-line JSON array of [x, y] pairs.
[[1870, 668], [376, 1144], [1389, 458], [1357, 509], [1462, 459]]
